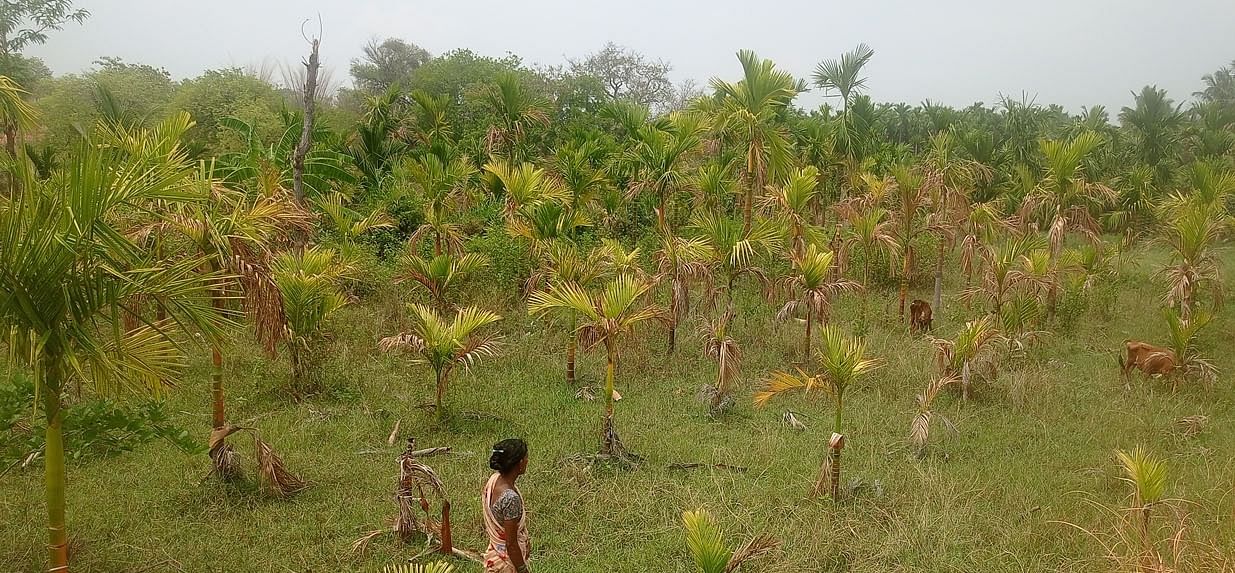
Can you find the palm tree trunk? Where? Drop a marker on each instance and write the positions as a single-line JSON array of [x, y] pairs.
[[53, 461], [571, 350], [607, 432], [218, 412], [810, 316], [904, 286], [835, 446], [673, 333], [441, 390], [937, 300]]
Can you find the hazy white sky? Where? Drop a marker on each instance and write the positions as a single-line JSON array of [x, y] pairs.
[[1071, 52]]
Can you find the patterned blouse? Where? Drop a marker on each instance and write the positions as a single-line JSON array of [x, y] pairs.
[[508, 506]]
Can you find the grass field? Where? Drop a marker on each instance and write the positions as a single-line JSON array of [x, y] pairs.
[[1028, 452]]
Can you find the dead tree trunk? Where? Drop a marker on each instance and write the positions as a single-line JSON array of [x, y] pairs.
[[306, 132]]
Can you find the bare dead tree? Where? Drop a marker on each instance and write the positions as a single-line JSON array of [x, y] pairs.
[[306, 132]]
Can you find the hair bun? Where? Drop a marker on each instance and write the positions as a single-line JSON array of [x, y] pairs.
[[507, 454]]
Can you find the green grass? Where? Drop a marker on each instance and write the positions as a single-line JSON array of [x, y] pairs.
[[1028, 451]]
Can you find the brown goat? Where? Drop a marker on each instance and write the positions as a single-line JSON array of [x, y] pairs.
[[1149, 359], [919, 316]]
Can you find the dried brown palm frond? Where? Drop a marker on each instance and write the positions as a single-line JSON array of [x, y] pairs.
[[402, 341], [791, 420], [272, 472], [1189, 426], [919, 429], [719, 346], [758, 546]]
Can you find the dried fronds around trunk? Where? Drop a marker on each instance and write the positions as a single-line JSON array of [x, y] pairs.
[[719, 346], [273, 474], [419, 492]]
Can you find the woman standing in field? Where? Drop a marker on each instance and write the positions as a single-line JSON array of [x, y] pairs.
[[503, 509]]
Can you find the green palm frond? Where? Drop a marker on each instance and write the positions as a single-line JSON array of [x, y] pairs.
[[435, 567], [1146, 473], [13, 105], [845, 74], [705, 542]]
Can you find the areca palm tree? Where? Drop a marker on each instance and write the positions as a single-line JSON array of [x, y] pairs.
[[844, 75], [704, 540], [1184, 333], [750, 110], [609, 316], [440, 275], [957, 357], [518, 112], [562, 262], [269, 167], [442, 185], [814, 285], [842, 363], [446, 343], [1004, 272], [956, 177], [911, 196], [719, 346], [525, 185], [659, 161], [868, 228], [680, 262], [69, 275], [1192, 237], [238, 234], [732, 247], [308, 283], [1065, 197], [793, 203]]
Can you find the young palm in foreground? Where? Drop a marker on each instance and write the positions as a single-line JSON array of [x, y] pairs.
[[705, 541], [608, 317], [445, 344], [842, 362], [69, 276]]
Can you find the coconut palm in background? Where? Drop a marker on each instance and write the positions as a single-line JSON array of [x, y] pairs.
[[69, 277], [813, 285], [749, 110], [842, 362], [609, 316], [446, 343]]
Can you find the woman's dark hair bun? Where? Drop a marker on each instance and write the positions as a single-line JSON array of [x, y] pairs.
[[507, 454]]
